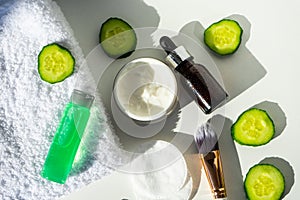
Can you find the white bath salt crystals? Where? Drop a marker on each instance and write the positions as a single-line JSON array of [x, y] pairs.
[[163, 182], [30, 109]]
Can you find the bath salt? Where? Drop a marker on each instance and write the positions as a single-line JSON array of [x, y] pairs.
[[30, 109], [161, 180]]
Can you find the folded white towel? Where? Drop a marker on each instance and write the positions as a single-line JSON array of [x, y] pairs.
[[30, 108]]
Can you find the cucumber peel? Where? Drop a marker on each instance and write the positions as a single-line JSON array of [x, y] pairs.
[[55, 63], [254, 127], [264, 182], [117, 38], [223, 37]]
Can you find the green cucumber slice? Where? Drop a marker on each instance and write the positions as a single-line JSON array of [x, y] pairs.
[[117, 38], [264, 182], [223, 37], [55, 63], [254, 127]]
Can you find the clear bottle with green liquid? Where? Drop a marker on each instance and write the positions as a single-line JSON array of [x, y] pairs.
[[67, 138]]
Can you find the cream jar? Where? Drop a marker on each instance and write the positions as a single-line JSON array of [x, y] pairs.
[[145, 89]]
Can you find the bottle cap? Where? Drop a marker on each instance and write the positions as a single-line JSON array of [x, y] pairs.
[[82, 98], [176, 55]]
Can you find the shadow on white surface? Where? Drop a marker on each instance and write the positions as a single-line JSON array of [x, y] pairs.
[[86, 17], [240, 70], [285, 168], [276, 113], [230, 159]]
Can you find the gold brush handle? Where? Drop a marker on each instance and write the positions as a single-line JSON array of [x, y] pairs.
[[212, 165]]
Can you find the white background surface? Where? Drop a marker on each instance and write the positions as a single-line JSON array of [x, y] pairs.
[[274, 41]]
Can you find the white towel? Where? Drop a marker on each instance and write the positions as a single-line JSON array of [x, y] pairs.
[[30, 109]]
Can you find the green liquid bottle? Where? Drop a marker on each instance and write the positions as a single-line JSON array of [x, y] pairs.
[[62, 152]]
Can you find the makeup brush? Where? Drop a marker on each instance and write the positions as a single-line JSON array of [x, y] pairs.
[[207, 144]]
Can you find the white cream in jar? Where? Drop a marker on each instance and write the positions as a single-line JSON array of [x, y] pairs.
[[145, 89]]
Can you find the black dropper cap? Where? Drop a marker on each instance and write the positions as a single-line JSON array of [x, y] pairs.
[[167, 44], [176, 55]]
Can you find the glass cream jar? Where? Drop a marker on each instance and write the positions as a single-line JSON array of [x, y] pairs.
[[145, 89]]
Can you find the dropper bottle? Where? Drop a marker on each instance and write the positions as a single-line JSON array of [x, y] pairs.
[[207, 92]]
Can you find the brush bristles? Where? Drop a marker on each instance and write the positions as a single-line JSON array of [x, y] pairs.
[[206, 139]]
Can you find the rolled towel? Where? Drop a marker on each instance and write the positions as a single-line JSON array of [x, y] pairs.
[[30, 108]]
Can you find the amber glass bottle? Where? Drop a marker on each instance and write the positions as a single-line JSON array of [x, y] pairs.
[[199, 82]]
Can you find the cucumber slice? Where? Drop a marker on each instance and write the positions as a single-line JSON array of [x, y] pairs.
[[254, 127], [117, 38], [223, 37], [264, 182], [55, 63]]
